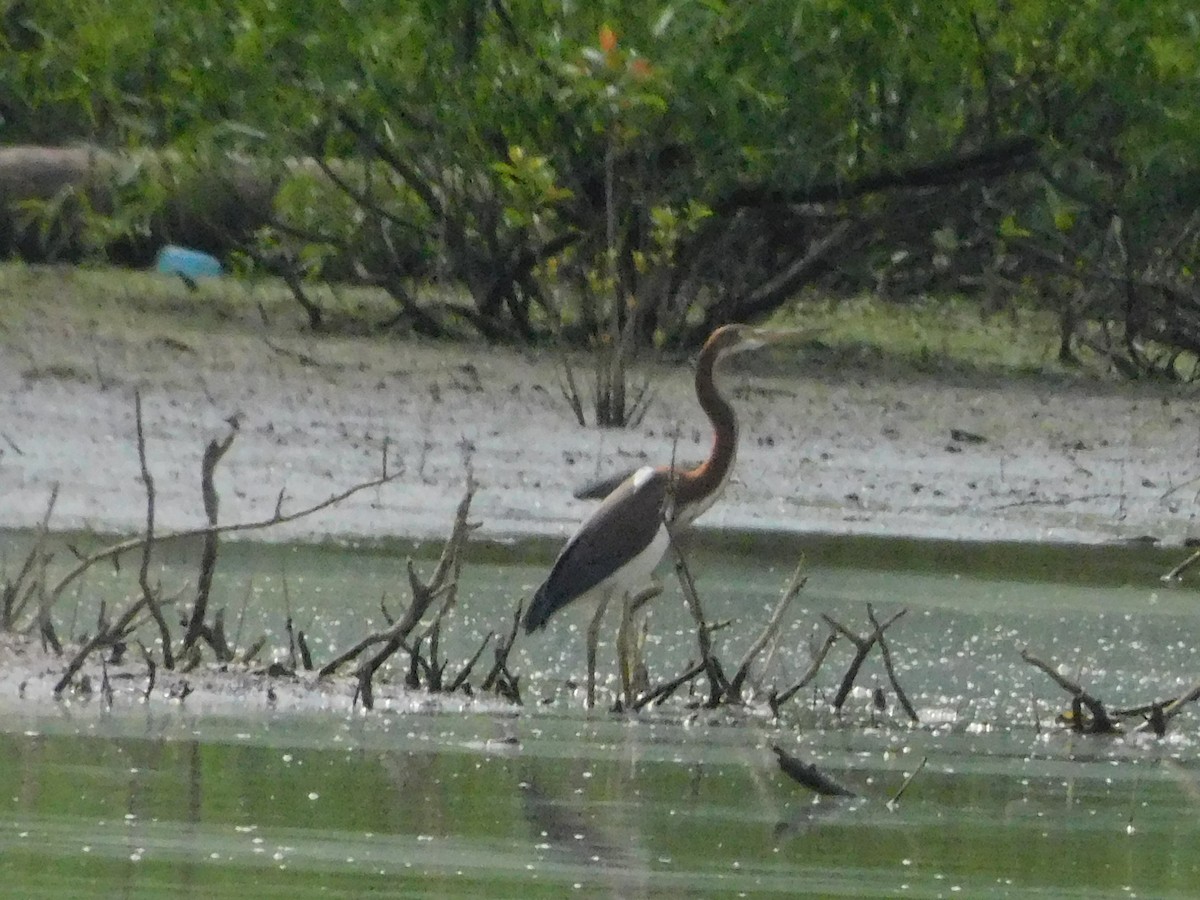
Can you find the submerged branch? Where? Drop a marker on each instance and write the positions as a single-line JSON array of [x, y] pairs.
[[1100, 723], [809, 775]]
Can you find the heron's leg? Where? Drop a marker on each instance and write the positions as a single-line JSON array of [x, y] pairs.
[[631, 641], [626, 649], [593, 636], [641, 675]]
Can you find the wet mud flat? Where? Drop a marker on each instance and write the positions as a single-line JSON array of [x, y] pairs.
[[828, 450]]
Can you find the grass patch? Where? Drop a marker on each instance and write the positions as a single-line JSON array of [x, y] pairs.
[[938, 335], [948, 336], [130, 302]]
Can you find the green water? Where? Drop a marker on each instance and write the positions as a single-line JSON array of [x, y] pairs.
[[166, 800]]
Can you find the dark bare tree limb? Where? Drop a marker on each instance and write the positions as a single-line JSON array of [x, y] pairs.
[[809, 775], [16, 594], [423, 596], [890, 668], [717, 684], [862, 648], [667, 688], [149, 596], [1100, 722], [213, 453]]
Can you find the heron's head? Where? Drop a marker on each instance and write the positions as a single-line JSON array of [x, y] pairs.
[[730, 339]]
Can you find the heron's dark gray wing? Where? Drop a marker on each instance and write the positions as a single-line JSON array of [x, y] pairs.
[[620, 528]]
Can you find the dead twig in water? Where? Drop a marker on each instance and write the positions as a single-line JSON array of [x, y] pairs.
[[444, 578], [665, 690], [1162, 713], [1176, 573], [499, 678], [894, 802], [461, 678], [1100, 722], [16, 594], [862, 648], [717, 683], [108, 636], [277, 518], [196, 626], [818, 657], [886, 652], [795, 585], [149, 596]]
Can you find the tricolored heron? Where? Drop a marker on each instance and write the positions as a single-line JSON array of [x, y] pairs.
[[618, 547]]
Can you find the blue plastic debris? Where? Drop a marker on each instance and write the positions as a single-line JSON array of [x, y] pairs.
[[187, 263]]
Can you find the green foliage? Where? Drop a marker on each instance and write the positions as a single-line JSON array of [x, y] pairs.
[[681, 158]]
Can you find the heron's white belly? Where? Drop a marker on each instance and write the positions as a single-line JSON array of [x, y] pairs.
[[635, 574]]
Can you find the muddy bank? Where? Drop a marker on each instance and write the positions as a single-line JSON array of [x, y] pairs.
[[836, 451]]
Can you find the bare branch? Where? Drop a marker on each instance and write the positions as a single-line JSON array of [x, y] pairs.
[[795, 585], [862, 648], [277, 518], [891, 804], [716, 679], [208, 558], [777, 700], [891, 669], [1101, 722], [149, 598], [809, 775]]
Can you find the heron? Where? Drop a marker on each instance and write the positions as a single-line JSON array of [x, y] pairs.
[[617, 548]]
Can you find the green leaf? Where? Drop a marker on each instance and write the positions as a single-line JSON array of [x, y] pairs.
[[1010, 229]]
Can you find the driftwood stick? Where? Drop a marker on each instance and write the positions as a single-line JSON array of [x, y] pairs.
[[461, 678], [862, 648], [1162, 713], [1101, 722], [717, 685], [890, 668], [794, 586], [208, 557], [1174, 708], [891, 804], [149, 598], [666, 689], [1177, 572], [818, 657], [810, 776]]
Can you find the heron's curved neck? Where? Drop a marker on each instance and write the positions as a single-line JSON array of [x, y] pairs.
[[698, 488]]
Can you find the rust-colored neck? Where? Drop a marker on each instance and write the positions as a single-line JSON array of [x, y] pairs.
[[698, 488]]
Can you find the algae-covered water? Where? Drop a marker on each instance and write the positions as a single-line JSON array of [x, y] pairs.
[[170, 799]]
